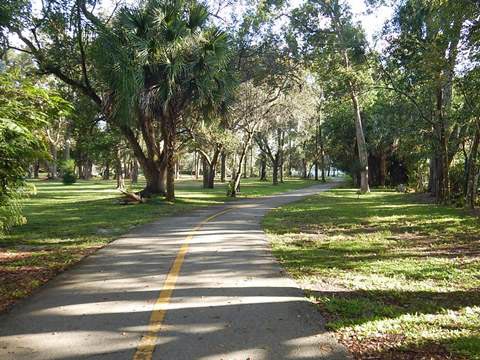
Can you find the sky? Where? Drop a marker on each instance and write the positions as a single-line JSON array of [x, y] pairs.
[[372, 23]]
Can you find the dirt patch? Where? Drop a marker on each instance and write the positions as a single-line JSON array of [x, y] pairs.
[[7, 256], [22, 272]]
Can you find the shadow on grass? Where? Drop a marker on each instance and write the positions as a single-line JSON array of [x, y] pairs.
[[340, 213], [383, 250], [404, 325]]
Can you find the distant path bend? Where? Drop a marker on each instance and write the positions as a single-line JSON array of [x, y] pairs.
[[203, 286]]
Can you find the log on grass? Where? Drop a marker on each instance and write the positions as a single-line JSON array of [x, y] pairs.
[[132, 198]]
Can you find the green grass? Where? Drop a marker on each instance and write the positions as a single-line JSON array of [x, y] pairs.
[[396, 277], [65, 223]]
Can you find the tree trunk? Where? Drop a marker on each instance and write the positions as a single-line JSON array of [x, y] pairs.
[[472, 174], [443, 180], [211, 176], [155, 173], [170, 139], [263, 167], [235, 184], [223, 160], [154, 165], [361, 144], [53, 163], [322, 152], [245, 167], [119, 171], [433, 177], [382, 169], [134, 172], [36, 169], [251, 162], [205, 173], [289, 171], [177, 170], [66, 147], [316, 149], [66, 150], [275, 171], [212, 168], [106, 171], [126, 168], [197, 166], [87, 169], [280, 168]]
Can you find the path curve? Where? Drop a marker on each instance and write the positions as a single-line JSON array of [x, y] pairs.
[[231, 300]]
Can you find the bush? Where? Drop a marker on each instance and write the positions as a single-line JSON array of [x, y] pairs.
[[67, 168], [10, 210]]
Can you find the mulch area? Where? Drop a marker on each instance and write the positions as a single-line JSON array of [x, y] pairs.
[[22, 272]]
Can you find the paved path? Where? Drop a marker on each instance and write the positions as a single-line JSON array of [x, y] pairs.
[[231, 300]]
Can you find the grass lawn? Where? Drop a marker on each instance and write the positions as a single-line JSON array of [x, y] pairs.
[[395, 277], [65, 223]]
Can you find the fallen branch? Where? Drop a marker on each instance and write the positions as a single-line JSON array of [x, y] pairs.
[[132, 198]]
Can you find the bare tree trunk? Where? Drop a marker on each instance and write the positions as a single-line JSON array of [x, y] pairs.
[[322, 152], [126, 168], [289, 171], [177, 169], [119, 171], [106, 171], [251, 162], [361, 144], [170, 140], [197, 165], [53, 163], [36, 169], [317, 126], [223, 169], [263, 167], [205, 172], [275, 171], [134, 172], [235, 184], [382, 168], [87, 169], [444, 181], [281, 171], [245, 167], [472, 174]]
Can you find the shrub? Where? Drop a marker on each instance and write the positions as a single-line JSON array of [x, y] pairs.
[[67, 168]]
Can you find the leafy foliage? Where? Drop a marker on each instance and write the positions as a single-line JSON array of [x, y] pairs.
[[24, 109], [67, 167]]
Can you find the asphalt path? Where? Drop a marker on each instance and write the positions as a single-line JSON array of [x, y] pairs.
[[194, 287]]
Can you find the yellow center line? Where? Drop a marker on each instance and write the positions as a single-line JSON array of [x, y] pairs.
[[149, 339]]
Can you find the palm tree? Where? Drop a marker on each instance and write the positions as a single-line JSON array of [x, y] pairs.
[[164, 60]]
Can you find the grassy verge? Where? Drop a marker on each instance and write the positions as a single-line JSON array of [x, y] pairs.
[[396, 278], [65, 223]]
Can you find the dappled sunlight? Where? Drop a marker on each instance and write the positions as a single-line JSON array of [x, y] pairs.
[[391, 272], [230, 300]]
